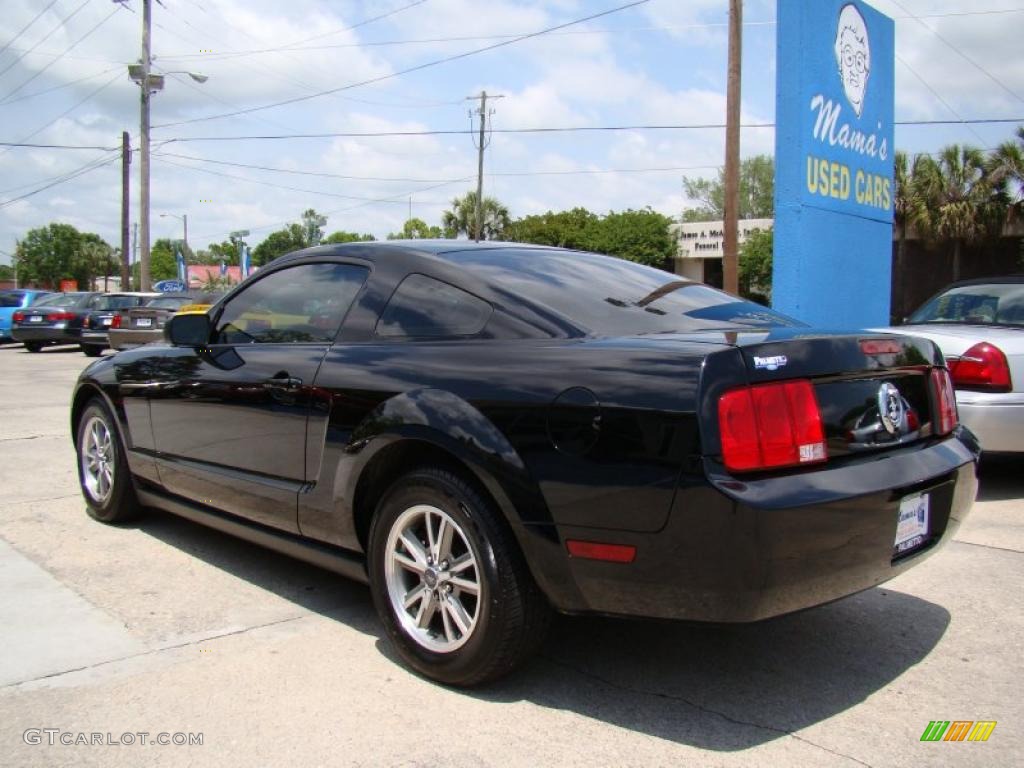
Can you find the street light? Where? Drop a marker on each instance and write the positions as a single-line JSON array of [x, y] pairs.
[[184, 220]]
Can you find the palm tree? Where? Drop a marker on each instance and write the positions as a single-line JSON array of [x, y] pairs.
[[461, 219], [1006, 166], [954, 199]]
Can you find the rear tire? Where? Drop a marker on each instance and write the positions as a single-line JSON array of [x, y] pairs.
[[449, 582], [103, 467], [92, 350], [33, 346]]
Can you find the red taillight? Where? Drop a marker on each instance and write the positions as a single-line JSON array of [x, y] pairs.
[[18, 316], [596, 550], [945, 401], [115, 321], [983, 366], [56, 317], [771, 425]]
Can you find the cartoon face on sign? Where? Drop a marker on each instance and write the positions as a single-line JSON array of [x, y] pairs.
[[853, 55]]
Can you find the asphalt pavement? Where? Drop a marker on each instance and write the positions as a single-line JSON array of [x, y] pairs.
[[168, 629]]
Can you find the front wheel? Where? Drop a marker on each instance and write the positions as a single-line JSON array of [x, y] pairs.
[[450, 583], [103, 468]]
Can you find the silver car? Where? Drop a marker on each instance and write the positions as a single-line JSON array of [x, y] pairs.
[[979, 326]]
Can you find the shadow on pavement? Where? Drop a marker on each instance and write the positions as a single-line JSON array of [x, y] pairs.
[[715, 687], [729, 687], [1001, 478], [305, 585]]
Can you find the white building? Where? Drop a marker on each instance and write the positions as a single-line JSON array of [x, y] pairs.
[[699, 247]]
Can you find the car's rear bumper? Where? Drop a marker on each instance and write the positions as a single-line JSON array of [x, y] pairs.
[[122, 338], [50, 334], [997, 418], [744, 550], [98, 338]]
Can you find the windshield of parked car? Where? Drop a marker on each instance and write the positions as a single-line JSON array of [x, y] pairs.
[[609, 296], [11, 299], [986, 304]]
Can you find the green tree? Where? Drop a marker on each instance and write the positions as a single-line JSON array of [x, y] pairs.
[[642, 236], [6, 272], [565, 229], [313, 225], [341, 236], [955, 200], [56, 252], [163, 264], [757, 192], [1006, 167], [291, 238], [756, 265], [461, 219], [416, 229]]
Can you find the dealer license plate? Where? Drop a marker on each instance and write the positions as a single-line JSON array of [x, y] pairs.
[[912, 523], [107, 320], [144, 322], [35, 318]]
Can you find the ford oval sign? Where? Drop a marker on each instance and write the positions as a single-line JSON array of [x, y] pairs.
[[169, 286]]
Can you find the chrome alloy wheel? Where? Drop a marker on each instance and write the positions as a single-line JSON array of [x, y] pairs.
[[433, 578], [97, 457]]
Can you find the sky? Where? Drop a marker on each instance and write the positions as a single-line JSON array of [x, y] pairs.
[[63, 80]]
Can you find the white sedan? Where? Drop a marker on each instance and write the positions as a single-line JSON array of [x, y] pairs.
[[979, 326]]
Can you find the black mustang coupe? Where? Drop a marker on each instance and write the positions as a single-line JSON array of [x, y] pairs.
[[485, 432]]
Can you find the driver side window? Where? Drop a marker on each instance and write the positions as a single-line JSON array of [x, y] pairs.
[[302, 304]]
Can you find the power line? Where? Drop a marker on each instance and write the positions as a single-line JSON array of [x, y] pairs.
[[22, 30], [61, 180], [293, 47], [960, 53], [45, 37], [62, 54], [417, 68], [553, 129], [936, 94], [62, 86]]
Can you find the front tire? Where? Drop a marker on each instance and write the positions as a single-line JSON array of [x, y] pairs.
[[103, 468], [450, 583]]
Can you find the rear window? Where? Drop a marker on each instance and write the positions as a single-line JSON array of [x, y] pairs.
[[609, 296], [62, 300], [43, 298], [990, 304], [117, 302], [168, 303]]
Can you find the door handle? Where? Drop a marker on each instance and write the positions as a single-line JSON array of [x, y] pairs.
[[283, 382]]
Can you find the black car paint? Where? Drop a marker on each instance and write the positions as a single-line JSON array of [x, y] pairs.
[[573, 437]]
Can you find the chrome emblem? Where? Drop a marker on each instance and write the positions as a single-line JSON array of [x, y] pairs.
[[890, 408]]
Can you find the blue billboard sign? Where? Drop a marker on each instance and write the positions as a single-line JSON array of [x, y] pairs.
[[834, 184]]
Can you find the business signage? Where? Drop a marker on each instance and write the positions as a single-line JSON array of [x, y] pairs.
[[834, 162], [169, 286]]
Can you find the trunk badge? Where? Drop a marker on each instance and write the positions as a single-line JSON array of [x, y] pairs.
[[890, 408]]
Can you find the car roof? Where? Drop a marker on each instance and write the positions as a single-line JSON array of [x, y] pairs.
[[999, 279], [381, 248]]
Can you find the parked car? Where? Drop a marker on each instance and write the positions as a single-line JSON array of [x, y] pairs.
[[11, 301], [91, 328], [486, 431], [979, 326], [146, 324], [41, 325]]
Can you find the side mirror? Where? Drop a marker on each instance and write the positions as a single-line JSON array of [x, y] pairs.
[[191, 330]]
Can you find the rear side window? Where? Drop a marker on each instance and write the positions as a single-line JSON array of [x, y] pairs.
[[424, 307], [10, 299]]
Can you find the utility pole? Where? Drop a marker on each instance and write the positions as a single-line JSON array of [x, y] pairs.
[[481, 145], [730, 244], [126, 161], [135, 242], [146, 85]]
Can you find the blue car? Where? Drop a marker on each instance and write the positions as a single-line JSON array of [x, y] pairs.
[[12, 300]]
